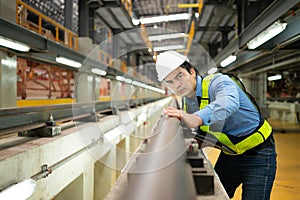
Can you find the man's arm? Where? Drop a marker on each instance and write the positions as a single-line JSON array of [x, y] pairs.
[[191, 120], [224, 101]]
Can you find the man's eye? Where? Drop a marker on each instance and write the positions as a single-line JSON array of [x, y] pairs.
[[179, 76]]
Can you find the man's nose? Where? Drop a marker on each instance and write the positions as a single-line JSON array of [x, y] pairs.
[[177, 83]]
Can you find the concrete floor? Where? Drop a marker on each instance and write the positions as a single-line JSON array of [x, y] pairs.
[[287, 181]]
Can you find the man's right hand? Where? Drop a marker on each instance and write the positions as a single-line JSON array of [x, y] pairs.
[[191, 120]]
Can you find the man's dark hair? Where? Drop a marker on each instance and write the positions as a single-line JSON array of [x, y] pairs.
[[188, 66]]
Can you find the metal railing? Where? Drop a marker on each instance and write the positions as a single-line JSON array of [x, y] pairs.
[[59, 33], [128, 6]]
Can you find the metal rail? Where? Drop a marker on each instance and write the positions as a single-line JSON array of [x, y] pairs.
[[162, 168], [158, 171], [72, 38], [27, 118], [161, 171]]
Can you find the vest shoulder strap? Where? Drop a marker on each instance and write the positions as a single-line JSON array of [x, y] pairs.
[[243, 88]]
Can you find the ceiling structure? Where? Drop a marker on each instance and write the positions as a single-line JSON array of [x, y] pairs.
[[223, 27]]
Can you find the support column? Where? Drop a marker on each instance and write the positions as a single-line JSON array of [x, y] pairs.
[[69, 14], [85, 89], [8, 10], [91, 24], [8, 80], [83, 19], [213, 49], [224, 39], [115, 47]]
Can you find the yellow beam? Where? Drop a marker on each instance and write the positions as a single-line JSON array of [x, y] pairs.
[[188, 5], [44, 102], [200, 6], [191, 36]]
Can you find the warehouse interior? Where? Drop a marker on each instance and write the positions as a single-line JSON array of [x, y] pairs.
[[81, 106]]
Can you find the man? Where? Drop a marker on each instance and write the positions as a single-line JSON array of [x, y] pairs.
[[222, 110]]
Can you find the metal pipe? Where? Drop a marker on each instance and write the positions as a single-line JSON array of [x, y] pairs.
[[48, 170], [271, 67]]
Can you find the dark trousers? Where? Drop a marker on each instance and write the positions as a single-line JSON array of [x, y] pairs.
[[255, 170]]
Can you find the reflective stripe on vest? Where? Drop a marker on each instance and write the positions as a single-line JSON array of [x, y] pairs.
[[249, 142]]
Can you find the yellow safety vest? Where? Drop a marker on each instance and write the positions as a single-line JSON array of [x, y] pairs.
[[254, 139]]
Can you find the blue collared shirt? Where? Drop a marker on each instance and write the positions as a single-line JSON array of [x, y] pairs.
[[230, 110]]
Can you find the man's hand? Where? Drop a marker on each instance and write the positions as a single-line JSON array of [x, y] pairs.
[[191, 120]]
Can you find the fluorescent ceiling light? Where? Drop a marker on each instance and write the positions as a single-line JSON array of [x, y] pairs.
[[6, 42], [275, 77], [212, 70], [267, 34], [171, 47], [68, 62], [167, 36], [98, 71], [165, 18], [230, 59], [128, 80], [120, 78], [136, 83], [135, 21]]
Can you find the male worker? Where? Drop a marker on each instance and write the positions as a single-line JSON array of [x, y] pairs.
[[222, 109]]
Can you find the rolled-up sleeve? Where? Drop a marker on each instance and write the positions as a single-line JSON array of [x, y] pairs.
[[224, 100]]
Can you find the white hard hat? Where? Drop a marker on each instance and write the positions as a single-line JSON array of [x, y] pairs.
[[168, 61]]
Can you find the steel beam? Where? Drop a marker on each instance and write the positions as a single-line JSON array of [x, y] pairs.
[[25, 118], [271, 14]]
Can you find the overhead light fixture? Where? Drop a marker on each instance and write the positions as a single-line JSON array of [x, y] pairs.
[[267, 34], [275, 77], [98, 71], [165, 18], [171, 47], [120, 78], [21, 190], [128, 80], [212, 70], [136, 83], [227, 61], [135, 21], [167, 36], [68, 62], [6, 42]]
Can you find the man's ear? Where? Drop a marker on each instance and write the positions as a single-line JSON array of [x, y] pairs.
[[193, 72]]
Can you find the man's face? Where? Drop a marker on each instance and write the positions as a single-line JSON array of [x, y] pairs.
[[182, 82]]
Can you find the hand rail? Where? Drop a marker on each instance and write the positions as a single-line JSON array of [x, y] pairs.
[[128, 6], [145, 36], [191, 36], [105, 57], [71, 39]]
